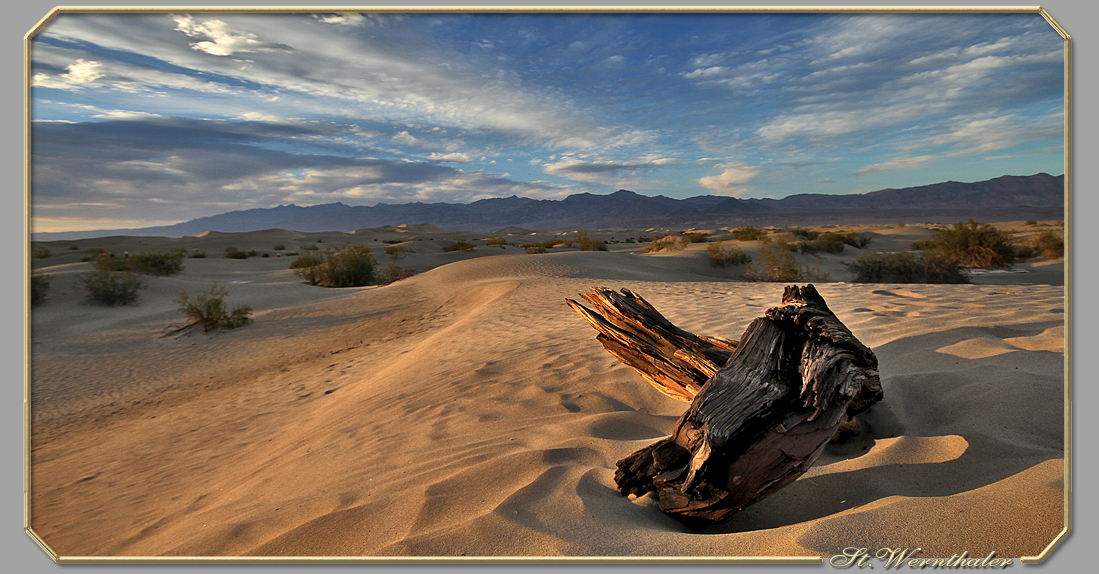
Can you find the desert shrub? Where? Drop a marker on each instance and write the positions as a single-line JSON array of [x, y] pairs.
[[73, 248], [40, 288], [720, 256], [904, 267], [748, 233], [198, 255], [532, 248], [350, 267], [155, 263], [265, 255], [498, 240], [279, 247], [696, 236], [392, 272], [588, 243], [1031, 222], [207, 309], [42, 253], [110, 288], [805, 233], [777, 263], [969, 245], [397, 250], [459, 246], [644, 239], [312, 247], [306, 260], [147, 263], [668, 242], [1049, 245], [860, 240], [234, 253]]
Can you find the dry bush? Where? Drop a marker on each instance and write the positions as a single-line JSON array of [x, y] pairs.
[[587, 243], [497, 240], [748, 233], [392, 272], [459, 246], [904, 267], [207, 310], [667, 242], [1048, 244], [721, 256], [970, 245], [40, 289], [696, 236], [110, 288], [350, 267]]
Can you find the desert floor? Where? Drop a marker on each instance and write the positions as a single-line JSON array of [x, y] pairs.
[[467, 411]]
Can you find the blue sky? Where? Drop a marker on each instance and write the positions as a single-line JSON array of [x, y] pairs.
[[156, 118]]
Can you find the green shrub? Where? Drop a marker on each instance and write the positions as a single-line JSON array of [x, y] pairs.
[[110, 288], [459, 246], [588, 243], [972, 245], [392, 272], [904, 267], [748, 233], [40, 288], [207, 309], [350, 267], [696, 236], [720, 256], [279, 247]]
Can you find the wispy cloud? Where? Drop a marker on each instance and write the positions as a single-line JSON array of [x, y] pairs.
[[732, 181]]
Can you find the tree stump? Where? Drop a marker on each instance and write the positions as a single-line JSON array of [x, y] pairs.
[[762, 409]]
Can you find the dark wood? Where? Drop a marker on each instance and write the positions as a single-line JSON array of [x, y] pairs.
[[756, 422]]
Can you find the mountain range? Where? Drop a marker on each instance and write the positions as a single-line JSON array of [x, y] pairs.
[[626, 209]]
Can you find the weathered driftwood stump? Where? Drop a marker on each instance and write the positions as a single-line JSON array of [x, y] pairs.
[[762, 409]]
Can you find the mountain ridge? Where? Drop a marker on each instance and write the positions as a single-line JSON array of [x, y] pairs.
[[620, 209]]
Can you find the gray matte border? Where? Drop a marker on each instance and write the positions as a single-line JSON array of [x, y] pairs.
[[20, 551]]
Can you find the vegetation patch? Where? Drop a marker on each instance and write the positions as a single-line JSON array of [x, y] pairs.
[[970, 245], [392, 273], [350, 267], [40, 289], [904, 267], [147, 263], [668, 243], [588, 243], [208, 310], [778, 263], [1048, 244], [110, 288], [42, 253], [748, 233], [696, 236], [498, 240], [721, 256], [460, 246]]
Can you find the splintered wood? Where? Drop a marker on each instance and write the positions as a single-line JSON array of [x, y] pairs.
[[762, 409]]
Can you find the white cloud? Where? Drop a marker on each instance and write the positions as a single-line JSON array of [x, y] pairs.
[[732, 181], [406, 138], [221, 40], [899, 163], [450, 157], [82, 72], [343, 19]]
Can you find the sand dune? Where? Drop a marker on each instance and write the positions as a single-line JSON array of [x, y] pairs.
[[468, 411]]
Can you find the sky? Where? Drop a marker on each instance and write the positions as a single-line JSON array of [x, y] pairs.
[[144, 119]]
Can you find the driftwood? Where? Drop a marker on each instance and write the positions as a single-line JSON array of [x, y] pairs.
[[762, 409]]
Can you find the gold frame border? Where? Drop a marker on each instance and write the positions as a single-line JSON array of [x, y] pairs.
[[27, 65]]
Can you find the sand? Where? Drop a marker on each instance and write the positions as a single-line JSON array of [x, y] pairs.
[[467, 411]]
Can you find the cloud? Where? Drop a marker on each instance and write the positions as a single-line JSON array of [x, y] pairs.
[[454, 157], [732, 181], [342, 19], [222, 41], [607, 172], [898, 163]]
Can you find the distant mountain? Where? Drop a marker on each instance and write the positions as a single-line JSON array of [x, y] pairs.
[[621, 209]]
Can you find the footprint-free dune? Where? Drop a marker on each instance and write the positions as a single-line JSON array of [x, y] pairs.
[[467, 411]]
